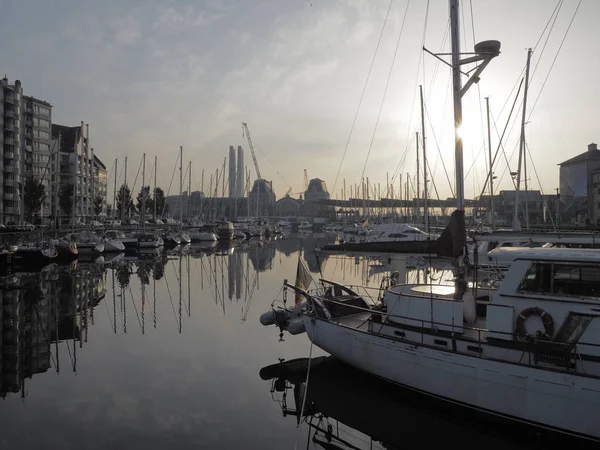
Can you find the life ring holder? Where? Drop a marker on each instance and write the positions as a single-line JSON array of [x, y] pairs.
[[547, 320]]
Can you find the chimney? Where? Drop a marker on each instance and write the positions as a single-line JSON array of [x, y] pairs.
[[592, 147]]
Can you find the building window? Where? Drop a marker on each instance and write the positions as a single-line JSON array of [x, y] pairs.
[[38, 109], [41, 134]]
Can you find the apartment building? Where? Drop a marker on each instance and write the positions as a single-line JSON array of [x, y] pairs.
[[75, 166], [10, 140]]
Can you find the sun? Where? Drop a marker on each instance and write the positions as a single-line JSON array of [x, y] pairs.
[[468, 130]]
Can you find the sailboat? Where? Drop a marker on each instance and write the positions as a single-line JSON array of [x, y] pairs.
[[528, 352]]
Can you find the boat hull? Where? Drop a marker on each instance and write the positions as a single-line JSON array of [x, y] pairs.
[[552, 399]]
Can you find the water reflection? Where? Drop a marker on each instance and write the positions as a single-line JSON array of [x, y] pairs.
[[40, 310], [343, 408]]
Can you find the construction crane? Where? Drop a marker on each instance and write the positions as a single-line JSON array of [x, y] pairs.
[[305, 180], [246, 132]]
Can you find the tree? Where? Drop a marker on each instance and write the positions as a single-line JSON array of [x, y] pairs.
[[35, 195], [98, 202], [65, 199], [159, 199], [124, 201], [144, 192], [109, 210]]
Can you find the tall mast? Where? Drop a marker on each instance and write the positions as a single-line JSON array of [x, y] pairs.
[[522, 157], [154, 191], [417, 203], [484, 52], [143, 211], [114, 211], [203, 195], [180, 185], [123, 200], [492, 213], [457, 97], [189, 189], [425, 193]]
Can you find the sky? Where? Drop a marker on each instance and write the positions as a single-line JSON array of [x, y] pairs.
[[150, 76]]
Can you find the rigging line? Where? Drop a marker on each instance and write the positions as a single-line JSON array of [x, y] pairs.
[[411, 130], [387, 83], [171, 299], [500, 138], [137, 175], [135, 307], [423, 41], [162, 213], [439, 151], [305, 390], [560, 3], [554, 60], [539, 182], [362, 95], [507, 163]]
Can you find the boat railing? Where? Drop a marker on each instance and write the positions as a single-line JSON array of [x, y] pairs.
[[538, 349]]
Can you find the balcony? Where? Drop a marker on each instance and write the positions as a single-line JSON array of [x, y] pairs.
[[9, 113], [9, 141], [10, 98], [10, 127], [9, 155], [10, 196], [13, 183], [10, 169], [11, 210]]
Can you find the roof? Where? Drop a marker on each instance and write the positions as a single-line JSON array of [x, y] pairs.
[[68, 137], [585, 156], [546, 254], [98, 162], [37, 100]]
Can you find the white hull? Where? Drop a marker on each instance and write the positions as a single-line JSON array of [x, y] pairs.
[[203, 237], [113, 246], [557, 400]]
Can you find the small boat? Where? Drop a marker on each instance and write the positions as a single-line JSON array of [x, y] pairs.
[[225, 231], [34, 255], [202, 235], [86, 242], [148, 240]]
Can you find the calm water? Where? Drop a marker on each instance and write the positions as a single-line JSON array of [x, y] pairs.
[[165, 352]]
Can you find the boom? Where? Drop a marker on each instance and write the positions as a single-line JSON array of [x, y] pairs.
[[246, 132]]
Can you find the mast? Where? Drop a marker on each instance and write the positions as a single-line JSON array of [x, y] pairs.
[[180, 185], [417, 203], [484, 52], [457, 97], [522, 157], [154, 192], [493, 219], [123, 200], [143, 211], [114, 211], [425, 194], [202, 198], [189, 190]]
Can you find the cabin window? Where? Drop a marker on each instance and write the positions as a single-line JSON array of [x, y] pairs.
[[562, 279], [397, 235], [576, 280], [538, 279]]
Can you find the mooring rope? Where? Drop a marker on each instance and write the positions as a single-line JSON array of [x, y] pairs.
[[305, 388]]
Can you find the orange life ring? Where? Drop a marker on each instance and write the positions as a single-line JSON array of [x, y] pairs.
[[547, 320]]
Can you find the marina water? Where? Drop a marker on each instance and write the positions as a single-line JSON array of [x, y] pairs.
[[164, 350]]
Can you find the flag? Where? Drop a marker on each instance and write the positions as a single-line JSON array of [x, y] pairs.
[[303, 278]]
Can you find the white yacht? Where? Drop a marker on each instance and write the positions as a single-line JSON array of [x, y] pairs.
[[528, 351], [397, 232]]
